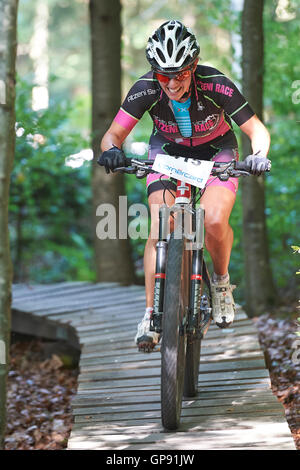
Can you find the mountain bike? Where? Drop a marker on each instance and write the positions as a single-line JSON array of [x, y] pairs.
[[182, 309]]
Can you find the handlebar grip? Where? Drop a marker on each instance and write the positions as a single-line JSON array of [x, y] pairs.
[[128, 162], [242, 166]]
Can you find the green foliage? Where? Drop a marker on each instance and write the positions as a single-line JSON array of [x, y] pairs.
[[50, 202], [55, 218], [282, 117]]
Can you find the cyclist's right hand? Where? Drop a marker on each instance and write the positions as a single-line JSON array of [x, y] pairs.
[[112, 158]]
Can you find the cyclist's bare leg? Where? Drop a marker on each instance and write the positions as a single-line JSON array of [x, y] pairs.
[[155, 201], [218, 203]]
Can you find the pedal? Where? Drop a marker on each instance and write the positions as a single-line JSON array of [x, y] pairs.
[[146, 346]]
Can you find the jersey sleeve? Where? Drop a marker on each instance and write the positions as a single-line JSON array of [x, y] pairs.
[[228, 96], [140, 98]]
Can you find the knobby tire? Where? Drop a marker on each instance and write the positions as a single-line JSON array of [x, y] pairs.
[[173, 351]]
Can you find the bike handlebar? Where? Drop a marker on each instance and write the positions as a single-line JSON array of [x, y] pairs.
[[222, 170]]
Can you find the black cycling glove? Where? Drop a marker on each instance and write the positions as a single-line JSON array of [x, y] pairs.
[[112, 158], [258, 164]]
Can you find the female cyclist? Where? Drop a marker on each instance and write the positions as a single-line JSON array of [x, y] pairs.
[[191, 106]]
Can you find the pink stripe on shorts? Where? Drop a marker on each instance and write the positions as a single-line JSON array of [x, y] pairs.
[[232, 183]]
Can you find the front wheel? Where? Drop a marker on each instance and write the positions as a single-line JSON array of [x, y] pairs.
[[173, 351]]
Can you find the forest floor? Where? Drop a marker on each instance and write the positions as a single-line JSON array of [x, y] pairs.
[[40, 390], [281, 345]]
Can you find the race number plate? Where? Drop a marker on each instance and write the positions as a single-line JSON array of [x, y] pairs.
[[195, 172]]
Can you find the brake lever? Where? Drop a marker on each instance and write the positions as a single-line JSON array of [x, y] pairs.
[[125, 169], [237, 173]]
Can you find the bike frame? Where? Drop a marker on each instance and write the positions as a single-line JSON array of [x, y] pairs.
[[190, 224]]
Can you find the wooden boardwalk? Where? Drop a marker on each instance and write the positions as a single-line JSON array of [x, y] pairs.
[[117, 406]]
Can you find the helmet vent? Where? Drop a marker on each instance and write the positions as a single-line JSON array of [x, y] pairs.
[[177, 33], [180, 54], [161, 56], [170, 47]]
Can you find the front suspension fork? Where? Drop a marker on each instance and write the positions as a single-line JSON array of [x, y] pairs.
[[194, 320], [160, 269], [198, 318]]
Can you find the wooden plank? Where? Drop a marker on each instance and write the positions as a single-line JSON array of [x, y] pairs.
[[132, 317], [135, 310], [72, 304], [227, 388], [261, 443], [218, 342], [122, 338], [261, 434], [91, 363], [56, 295], [207, 378], [232, 404], [147, 369], [28, 324], [132, 356], [214, 364], [26, 292], [105, 313], [117, 329], [63, 288], [88, 400], [202, 423], [88, 305], [187, 424], [93, 414]]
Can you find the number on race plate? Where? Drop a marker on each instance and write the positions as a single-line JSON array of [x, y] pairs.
[[195, 172]]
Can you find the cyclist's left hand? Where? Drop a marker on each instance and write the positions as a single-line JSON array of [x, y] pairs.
[[258, 164]]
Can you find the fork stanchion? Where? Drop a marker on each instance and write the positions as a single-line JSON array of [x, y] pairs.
[[160, 269]]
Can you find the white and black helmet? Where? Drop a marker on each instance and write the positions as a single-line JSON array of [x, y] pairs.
[[172, 47]]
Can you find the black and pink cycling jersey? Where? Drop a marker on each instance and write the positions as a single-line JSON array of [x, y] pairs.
[[215, 100]]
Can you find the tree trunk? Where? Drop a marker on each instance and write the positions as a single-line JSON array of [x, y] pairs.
[[260, 292], [113, 256], [8, 42]]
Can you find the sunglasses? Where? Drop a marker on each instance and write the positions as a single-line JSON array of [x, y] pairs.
[[180, 76]]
